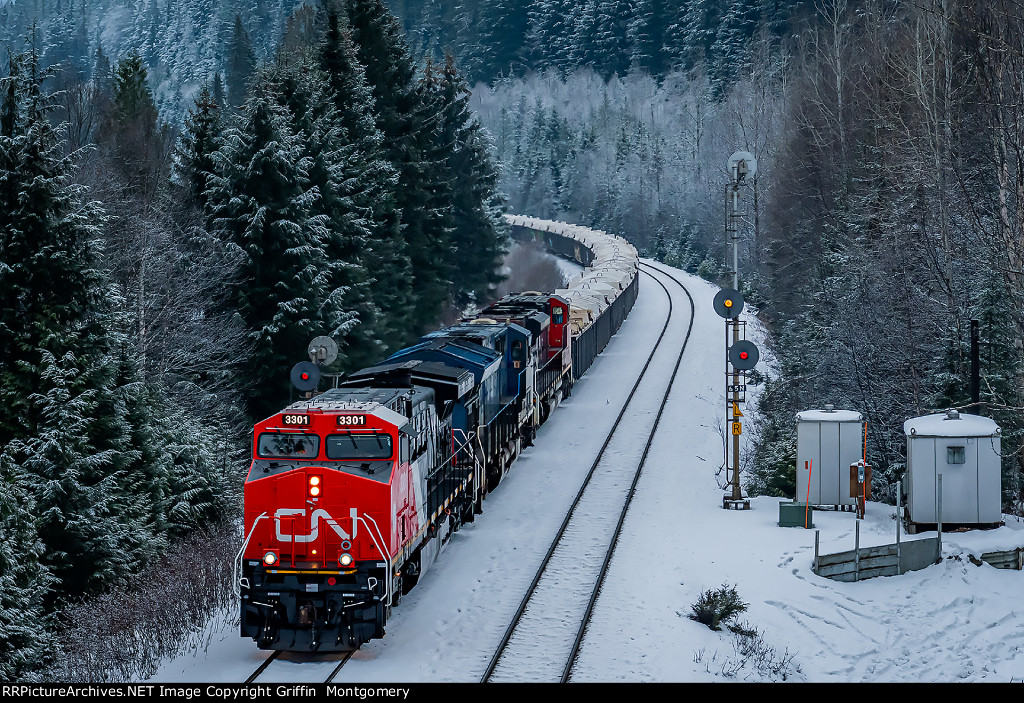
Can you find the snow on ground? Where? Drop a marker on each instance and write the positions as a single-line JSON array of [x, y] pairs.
[[950, 622]]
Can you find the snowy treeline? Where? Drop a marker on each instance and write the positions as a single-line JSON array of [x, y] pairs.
[[157, 286], [182, 42], [632, 154], [612, 37], [885, 215]]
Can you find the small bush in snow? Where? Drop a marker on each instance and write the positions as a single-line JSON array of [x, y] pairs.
[[752, 659], [717, 606]]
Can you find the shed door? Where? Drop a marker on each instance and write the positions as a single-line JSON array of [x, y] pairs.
[[956, 458], [830, 471]]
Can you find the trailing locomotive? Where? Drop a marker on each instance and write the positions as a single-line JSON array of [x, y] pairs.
[[352, 492]]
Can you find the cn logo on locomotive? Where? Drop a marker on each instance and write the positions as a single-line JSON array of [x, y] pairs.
[[314, 524]]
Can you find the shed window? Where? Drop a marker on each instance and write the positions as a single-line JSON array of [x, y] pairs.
[[956, 455]]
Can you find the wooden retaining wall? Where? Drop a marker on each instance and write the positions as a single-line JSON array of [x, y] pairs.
[[884, 560], [1010, 559], [895, 559]]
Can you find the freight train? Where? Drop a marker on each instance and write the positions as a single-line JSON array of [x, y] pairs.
[[352, 492]]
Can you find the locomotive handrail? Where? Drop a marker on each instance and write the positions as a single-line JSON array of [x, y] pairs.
[[380, 549], [238, 559], [519, 385], [467, 442]]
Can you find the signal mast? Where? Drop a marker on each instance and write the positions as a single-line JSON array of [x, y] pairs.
[[742, 355]]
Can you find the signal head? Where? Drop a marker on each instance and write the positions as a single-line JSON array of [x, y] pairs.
[[728, 303], [305, 376], [743, 355]]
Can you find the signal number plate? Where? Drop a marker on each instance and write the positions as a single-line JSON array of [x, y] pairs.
[[296, 420], [351, 420]]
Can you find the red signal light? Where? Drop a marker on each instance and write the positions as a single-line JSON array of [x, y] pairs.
[[744, 355], [305, 376]]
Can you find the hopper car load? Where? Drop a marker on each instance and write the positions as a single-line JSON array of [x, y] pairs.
[[352, 492]]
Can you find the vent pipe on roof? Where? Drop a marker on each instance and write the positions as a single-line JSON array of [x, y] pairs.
[[952, 414]]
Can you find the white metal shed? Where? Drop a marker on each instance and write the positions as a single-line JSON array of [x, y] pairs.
[[965, 449], [827, 442]]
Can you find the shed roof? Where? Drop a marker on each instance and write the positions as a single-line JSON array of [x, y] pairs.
[[941, 425], [829, 416]]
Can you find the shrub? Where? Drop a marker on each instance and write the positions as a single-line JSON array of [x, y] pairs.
[[717, 606]]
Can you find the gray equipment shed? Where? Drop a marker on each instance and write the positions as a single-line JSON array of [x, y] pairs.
[[965, 449], [827, 442]]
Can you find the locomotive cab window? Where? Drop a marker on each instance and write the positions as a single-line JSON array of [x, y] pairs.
[[956, 455], [348, 446], [277, 445], [558, 314], [517, 350]]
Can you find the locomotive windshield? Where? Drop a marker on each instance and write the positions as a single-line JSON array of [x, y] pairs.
[[359, 445], [274, 445]]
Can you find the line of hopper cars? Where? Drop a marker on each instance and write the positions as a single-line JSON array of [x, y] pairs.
[[352, 492]]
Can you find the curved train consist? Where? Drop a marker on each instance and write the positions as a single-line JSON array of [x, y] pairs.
[[352, 492]]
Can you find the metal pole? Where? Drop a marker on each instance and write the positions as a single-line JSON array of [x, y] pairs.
[[975, 367], [856, 554], [817, 534], [735, 240], [899, 520], [939, 516], [736, 495]]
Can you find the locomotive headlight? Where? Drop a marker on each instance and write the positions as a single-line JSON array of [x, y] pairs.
[[270, 558], [314, 486], [345, 560]]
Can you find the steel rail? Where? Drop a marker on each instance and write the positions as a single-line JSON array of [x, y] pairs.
[[574, 652], [262, 667], [266, 663], [565, 523]]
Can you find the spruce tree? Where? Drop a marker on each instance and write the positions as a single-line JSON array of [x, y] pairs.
[[263, 205], [241, 62], [57, 381], [334, 167], [371, 185], [478, 233], [200, 139], [408, 125], [548, 38], [25, 640]]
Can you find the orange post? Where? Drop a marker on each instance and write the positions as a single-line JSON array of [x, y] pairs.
[[809, 465]]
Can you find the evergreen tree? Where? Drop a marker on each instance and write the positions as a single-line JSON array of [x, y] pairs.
[[24, 637], [56, 378], [334, 167], [263, 205], [647, 36], [200, 139], [478, 233], [549, 36], [494, 37], [371, 184], [241, 62], [407, 126]]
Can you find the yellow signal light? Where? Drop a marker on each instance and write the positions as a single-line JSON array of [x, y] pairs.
[[728, 302]]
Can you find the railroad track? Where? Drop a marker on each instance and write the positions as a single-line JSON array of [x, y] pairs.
[[345, 656], [547, 630]]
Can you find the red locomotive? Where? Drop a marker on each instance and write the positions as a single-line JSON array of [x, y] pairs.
[[352, 492]]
